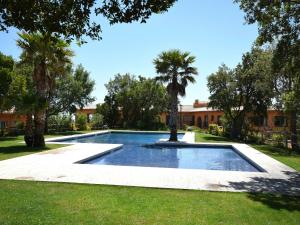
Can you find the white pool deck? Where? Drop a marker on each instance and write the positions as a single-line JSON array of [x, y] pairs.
[[60, 165]]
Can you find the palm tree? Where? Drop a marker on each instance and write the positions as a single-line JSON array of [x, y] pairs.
[[174, 68], [49, 57]]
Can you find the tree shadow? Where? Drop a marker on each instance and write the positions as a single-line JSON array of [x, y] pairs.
[[275, 193], [215, 139], [8, 138], [62, 133], [278, 202], [20, 148], [275, 151]]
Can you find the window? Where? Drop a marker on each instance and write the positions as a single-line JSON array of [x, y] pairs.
[[212, 118], [199, 122], [188, 120], [279, 121], [2, 124], [206, 121]]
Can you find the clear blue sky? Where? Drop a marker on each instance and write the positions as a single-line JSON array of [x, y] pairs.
[[213, 31]]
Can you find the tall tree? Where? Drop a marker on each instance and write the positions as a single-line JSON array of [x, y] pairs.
[[134, 102], [175, 68], [279, 23], [72, 92], [246, 89], [73, 19], [49, 56], [6, 70]]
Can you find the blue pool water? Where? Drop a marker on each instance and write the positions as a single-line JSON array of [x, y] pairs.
[[135, 153]]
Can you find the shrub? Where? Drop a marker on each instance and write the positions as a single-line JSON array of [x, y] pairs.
[[81, 121], [255, 137], [59, 123], [215, 129], [278, 140], [96, 121]]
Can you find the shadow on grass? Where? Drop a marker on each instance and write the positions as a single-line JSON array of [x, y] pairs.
[[275, 193], [275, 151], [66, 133], [214, 138], [14, 138], [277, 202], [20, 148]]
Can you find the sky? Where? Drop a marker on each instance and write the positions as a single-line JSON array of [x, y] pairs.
[[213, 31]]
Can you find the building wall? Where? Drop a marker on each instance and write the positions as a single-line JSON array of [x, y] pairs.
[[9, 120], [202, 119]]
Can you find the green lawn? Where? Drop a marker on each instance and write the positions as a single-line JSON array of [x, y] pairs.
[[44, 203], [29, 202], [11, 147], [204, 137], [280, 154]]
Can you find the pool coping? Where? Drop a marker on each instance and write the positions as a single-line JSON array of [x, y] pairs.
[[61, 165]]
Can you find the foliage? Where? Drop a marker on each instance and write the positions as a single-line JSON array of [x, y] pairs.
[[175, 69], [140, 101], [6, 70], [74, 19], [60, 123], [97, 121], [72, 92], [215, 129], [81, 121], [278, 140], [279, 24], [245, 89], [50, 57]]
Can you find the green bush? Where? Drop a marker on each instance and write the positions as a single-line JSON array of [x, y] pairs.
[[215, 129], [278, 140], [97, 121], [20, 125], [81, 121], [255, 137], [59, 123]]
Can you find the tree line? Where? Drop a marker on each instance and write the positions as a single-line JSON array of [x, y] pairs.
[[269, 75]]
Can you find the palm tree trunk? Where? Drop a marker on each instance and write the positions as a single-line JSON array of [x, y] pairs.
[[46, 122], [28, 136], [41, 83], [173, 116], [293, 130], [39, 122]]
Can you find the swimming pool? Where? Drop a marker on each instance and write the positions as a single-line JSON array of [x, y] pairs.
[[137, 152]]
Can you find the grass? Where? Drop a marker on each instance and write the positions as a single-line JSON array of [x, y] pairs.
[[283, 155], [204, 137], [11, 147], [28, 202]]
